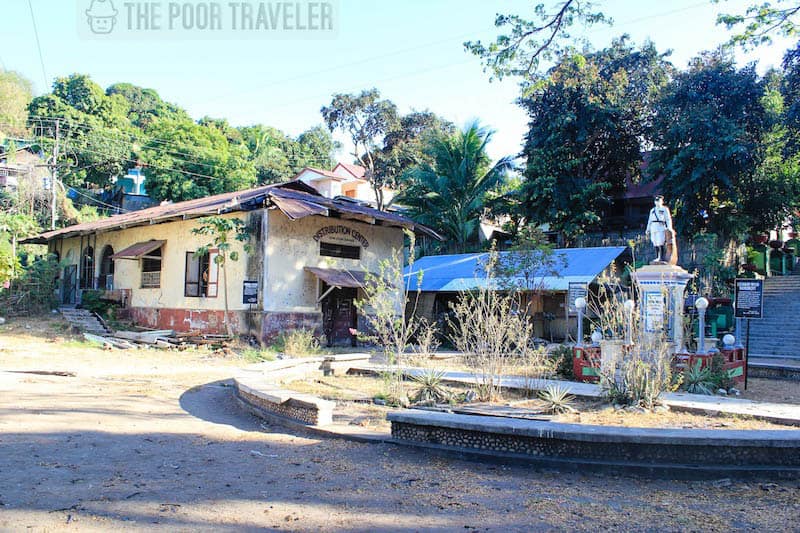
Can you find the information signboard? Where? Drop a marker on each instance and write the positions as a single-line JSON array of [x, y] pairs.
[[249, 292], [576, 290], [749, 298]]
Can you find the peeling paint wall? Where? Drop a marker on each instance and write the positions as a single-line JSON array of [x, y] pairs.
[[290, 246], [180, 239]]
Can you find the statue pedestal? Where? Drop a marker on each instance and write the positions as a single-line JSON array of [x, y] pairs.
[[661, 295]]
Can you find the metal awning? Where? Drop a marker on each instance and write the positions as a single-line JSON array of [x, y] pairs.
[[138, 250], [339, 278]]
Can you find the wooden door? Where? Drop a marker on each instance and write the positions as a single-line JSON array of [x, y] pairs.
[[339, 316]]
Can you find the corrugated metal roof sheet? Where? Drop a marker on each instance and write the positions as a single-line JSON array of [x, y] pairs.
[[455, 273], [340, 278], [303, 200], [138, 250]]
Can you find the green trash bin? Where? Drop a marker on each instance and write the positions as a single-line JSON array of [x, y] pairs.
[[758, 256]]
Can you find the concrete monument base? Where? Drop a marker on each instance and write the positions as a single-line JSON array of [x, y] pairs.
[[661, 294]]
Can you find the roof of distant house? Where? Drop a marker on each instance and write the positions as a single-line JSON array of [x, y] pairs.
[[357, 171], [294, 198], [464, 272], [326, 173]]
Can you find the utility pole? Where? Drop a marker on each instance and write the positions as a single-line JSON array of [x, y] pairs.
[[54, 179]]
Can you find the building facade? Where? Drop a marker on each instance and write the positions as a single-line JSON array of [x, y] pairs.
[[307, 262]]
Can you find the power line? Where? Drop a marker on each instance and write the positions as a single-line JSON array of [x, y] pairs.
[[38, 44]]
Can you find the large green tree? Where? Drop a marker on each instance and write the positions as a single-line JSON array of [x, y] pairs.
[[366, 119], [708, 143], [588, 121], [15, 95], [448, 193]]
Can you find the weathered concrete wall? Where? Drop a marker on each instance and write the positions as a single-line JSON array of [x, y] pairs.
[[180, 239], [290, 246]]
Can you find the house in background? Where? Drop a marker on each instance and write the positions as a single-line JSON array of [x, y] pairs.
[[129, 192], [307, 266], [344, 180], [20, 161], [545, 291]]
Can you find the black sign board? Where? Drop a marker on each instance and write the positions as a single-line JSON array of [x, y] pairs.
[[576, 290], [749, 299], [249, 292]]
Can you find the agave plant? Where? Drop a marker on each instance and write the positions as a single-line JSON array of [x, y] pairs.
[[430, 390], [557, 399], [698, 379]]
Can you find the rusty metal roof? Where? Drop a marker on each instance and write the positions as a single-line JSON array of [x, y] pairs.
[[340, 278], [294, 198], [138, 250]]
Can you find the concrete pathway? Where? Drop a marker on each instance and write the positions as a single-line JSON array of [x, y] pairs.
[[775, 412]]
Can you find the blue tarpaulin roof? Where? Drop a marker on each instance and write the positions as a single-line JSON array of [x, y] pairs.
[[455, 273]]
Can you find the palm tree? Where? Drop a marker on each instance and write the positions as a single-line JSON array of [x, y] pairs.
[[449, 193]]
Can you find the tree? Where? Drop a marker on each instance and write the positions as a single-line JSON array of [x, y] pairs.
[[520, 51], [199, 161], [760, 21], [15, 95], [448, 194], [366, 119], [144, 105], [316, 148], [708, 133], [13, 227], [588, 122], [221, 230]]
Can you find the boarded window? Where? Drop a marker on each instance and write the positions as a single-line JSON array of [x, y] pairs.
[[329, 249], [202, 273], [151, 269], [87, 268]]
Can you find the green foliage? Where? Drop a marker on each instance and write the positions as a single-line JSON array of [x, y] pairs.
[[587, 122], [33, 291], [719, 108], [254, 355], [761, 21], [698, 379], [430, 389], [94, 302], [527, 42], [220, 229], [563, 357], [297, 343], [449, 193], [557, 400], [527, 261], [15, 95]]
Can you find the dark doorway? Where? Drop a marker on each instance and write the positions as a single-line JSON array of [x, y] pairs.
[[339, 315], [69, 286], [106, 280]]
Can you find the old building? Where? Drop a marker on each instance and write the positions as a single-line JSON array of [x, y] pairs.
[[309, 257]]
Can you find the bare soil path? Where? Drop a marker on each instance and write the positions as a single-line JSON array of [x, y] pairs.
[[152, 440]]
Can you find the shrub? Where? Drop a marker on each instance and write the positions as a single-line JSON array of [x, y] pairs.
[[698, 379], [430, 390], [562, 358], [298, 343], [557, 399]]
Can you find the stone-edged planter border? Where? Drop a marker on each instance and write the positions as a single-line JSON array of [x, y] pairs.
[[690, 453], [258, 388], [766, 370]]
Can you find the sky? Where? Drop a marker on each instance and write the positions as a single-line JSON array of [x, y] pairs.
[[411, 50]]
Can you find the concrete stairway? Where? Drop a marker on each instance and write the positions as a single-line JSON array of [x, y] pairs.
[[777, 335], [84, 320]]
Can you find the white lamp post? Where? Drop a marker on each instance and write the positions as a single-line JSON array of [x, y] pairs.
[[580, 305], [701, 304], [728, 340], [629, 305]]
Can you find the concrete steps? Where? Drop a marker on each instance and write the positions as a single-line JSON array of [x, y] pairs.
[[85, 320], [776, 337]]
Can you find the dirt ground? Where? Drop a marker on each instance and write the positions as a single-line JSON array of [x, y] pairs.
[[151, 440]]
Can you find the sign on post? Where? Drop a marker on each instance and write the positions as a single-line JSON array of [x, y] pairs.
[[576, 290], [749, 298], [249, 292]]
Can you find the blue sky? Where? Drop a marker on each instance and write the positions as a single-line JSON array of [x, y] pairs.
[[411, 50]]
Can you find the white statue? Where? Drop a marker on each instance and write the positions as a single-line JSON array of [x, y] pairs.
[[662, 235]]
